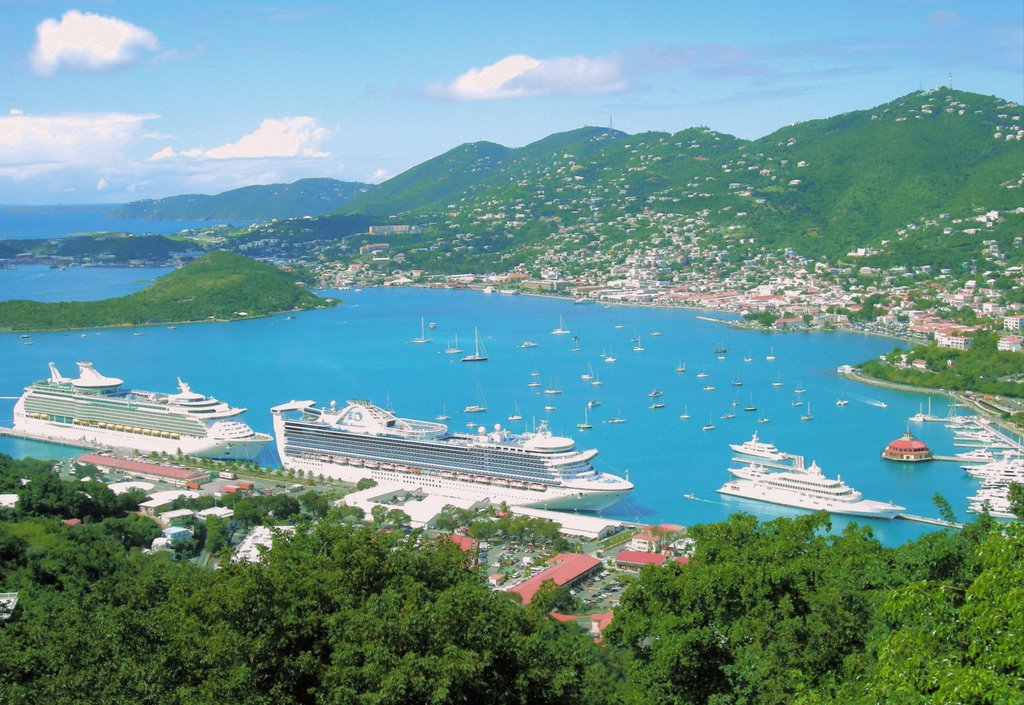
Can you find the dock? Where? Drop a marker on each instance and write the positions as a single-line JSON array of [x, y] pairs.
[[15, 433], [929, 520]]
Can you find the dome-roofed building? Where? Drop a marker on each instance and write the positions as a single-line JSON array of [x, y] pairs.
[[907, 450]]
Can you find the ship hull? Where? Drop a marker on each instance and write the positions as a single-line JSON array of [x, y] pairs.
[[493, 491], [245, 449], [862, 508]]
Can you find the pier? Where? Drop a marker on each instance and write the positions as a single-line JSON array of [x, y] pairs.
[[929, 520]]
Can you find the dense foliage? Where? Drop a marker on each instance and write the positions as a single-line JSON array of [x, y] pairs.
[[981, 368], [776, 612], [250, 203], [219, 285]]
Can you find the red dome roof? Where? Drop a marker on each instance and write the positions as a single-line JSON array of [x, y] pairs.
[[908, 444]]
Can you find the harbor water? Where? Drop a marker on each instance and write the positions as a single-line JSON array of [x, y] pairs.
[[361, 350]]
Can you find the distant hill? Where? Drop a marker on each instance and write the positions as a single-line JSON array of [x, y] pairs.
[[251, 203], [882, 178], [219, 285]]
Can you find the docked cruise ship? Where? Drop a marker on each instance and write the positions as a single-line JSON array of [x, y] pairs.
[[807, 489], [363, 440], [93, 410]]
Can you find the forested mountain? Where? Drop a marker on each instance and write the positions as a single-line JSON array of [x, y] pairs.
[[869, 178], [765, 613], [250, 203], [219, 285]]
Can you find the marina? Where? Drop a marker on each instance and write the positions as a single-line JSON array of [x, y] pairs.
[[257, 363]]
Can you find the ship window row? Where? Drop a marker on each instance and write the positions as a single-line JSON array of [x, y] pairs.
[[810, 488], [116, 415], [403, 453]]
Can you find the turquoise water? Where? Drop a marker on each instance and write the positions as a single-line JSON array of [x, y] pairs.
[[27, 223], [361, 350], [41, 283]]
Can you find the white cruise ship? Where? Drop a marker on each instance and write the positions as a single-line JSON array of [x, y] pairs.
[[363, 440], [809, 489], [758, 449], [92, 410]]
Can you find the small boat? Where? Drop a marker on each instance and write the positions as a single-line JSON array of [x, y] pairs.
[[654, 393], [842, 402], [423, 333], [721, 349], [474, 409], [637, 345], [737, 383], [589, 374], [748, 357], [657, 405], [593, 403], [515, 415], [778, 381], [655, 333], [431, 325], [585, 424], [443, 416], [549, 407], [702, 375], [763, 419], [554, 388], [596, 381], [528, 344], [686, 413], [728, 415], [807, 416], [709, 388], [681, 367], [453, 349], [796, 402], [799, 389], [561, 330], [708, 426], [616, 419], [771, 353], [477, 355]]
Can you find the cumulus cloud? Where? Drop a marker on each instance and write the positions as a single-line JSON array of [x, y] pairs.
[[30, 143], [520, 75], [286, 137], [87, 41]]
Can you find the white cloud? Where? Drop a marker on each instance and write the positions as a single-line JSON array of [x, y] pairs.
[[287, 137], [30, 143], [519, 76], [379, 175], [87, 41]]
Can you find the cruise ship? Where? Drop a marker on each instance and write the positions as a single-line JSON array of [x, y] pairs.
[[808, 489], [93, 410], [362, 440]]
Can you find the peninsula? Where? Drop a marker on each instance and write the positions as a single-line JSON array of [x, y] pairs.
[[218, 286]]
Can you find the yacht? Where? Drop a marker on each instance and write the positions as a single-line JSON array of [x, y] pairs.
[[453, 348], [585, 424], [757, 448], [842, 402], [806, 489], [526, 344], [479, 355]]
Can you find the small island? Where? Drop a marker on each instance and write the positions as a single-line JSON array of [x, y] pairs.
[[220, 286]]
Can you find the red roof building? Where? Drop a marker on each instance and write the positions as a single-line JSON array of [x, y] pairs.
[[636, 559], [566, 569], [153, 470], [907, 450]]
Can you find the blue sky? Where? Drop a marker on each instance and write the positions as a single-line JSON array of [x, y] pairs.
[[117, 100]]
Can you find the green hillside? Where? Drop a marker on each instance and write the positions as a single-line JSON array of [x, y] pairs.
[[219, 285], [251, 203], [882, 178]]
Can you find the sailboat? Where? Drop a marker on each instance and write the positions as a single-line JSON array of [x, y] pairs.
[[748, 358], [708, 426], [561, 330], [778, 381], [750, 406], [807, 416], [617, 419], [477, 355], [597, 380], [586, 419], [771, 353], [453, 349], [589, 374], [637, 345], [443, 416], [554, 388], [515, 415], [686, 413], [534, 382], [681, 367], [423, 333], [477, 408]]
